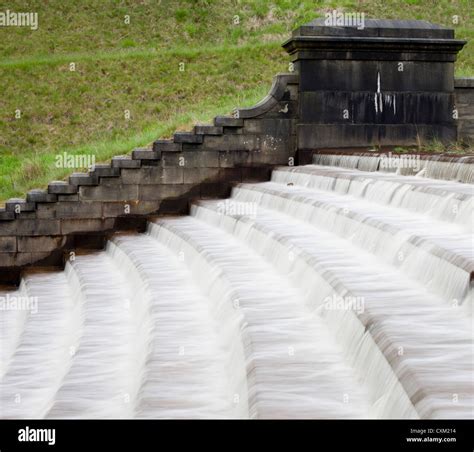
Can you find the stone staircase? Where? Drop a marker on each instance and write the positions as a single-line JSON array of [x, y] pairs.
[[162, 179]]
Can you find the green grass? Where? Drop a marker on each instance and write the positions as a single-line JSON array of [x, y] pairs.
[[135, 67]]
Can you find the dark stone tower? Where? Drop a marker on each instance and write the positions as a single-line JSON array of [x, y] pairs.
[[388, 83]]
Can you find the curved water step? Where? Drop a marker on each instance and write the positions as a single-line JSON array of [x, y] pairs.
[[447, 201], [194, 366], [12, 324], [390, 309], [436, 166], [295, 369], [429, 251], [241, 310], [42, 355], [102, 381]]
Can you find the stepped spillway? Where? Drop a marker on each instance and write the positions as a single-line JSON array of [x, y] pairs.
[[335, 290]]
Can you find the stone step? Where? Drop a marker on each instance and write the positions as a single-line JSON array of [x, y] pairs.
[[83, 179], [167, 146], [187, 137], [105, 170], [60, 187], [208, 130], [6, 215], [39, 195], [145, 154], [18, 205], [228, 121], [125, 161]]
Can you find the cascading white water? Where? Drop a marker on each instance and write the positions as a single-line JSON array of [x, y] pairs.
[[340, 291], [434, 166]]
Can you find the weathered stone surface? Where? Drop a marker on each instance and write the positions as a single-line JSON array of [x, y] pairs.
[[125, 162], [353, 75], [61, 188], [202, 159], [345, 107], [18, 205], [21, 259], [83, 179], [145, 154], [116, 209], [184, 137], [227, 121], [40, 244], [105, 171], [232, 142], [198, 175], [6, 215], [68, 198], [167, 145], [109, 193], [46, 211], [38, 195], [69, 226], [208, 130], [154, 192], [153, 175], [369, 82], [78, 209], [8, 244], [21, 227], [464, 95]]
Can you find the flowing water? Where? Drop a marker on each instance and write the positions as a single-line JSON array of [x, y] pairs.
[[335, 290]]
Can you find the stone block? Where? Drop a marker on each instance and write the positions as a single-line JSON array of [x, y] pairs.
[[153, 175], [18, 205], [125, 162], [83, 179], [61, 188], [38, 195], [227, 121], [109, 193], [70, 226], [199, 175], [163, 191], [8, 245], [105, 171], [6, 215], [40, 244], [237, 142], [185, 137], [145, 154], [208, 130], [167, 146], [21, 227], [116, 209], [200, 159], [79, 209]]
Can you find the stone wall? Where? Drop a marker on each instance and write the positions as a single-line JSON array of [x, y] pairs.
[[464, 89], [48, 225]]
